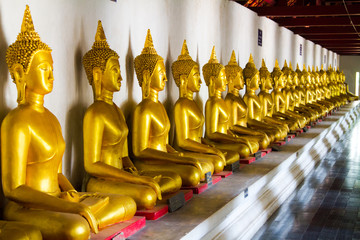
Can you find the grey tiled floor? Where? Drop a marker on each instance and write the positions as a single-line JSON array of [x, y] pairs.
[[327, 204]]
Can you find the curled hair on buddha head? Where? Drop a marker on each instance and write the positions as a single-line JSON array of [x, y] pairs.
[[250, 69], [292, 72], [183, 65], [99, 54], [286, 69], [233, 68], [276, 71], [212, 68], [147, 59], [27, 44], [264, 72]]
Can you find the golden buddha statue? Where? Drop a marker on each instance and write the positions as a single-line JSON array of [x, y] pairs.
[[189, 120], [151, 124], [289, 97], [32, 149], [332, 87], [314, 93], [105, 135], [320, 89], [280, 100], [299, 95], [217, 118], [274, 130], [309, 94], [238, 109]]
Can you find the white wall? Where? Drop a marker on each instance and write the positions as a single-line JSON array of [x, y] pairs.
[[350, 65], [68, 27]]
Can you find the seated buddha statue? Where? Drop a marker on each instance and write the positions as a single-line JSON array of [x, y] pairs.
[[189, 120], [301, 89], [312, 89], [320, 92], [238, 109], [323, 85], [309, 93], [217, 118], [151, 125], [289, 96], [280, 100], [333, 87], [274, 130], [106, 156], [32, 147], [298, 93], [266, 100]]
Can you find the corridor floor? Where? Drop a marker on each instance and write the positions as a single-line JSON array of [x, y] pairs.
[[327, 204]]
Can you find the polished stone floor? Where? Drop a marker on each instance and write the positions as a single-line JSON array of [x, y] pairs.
[[327, 204]]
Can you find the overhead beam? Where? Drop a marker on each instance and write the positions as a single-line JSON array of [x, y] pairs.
[[335, 42], [307, 11], [317, 21], [323, 30], [333, 37]]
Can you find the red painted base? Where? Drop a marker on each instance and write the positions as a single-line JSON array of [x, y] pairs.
[[197, 189], [223, 174], [153, 214], [279, 143], [123, 229], [319, 120], [267, 150], [263, 154], [300, 130], [188, 194], [247, 160], [291, 136], [308, 127], [215, 179]]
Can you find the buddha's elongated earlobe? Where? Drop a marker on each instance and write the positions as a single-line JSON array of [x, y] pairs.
[[145, 86], [183, 85], [211, 87], [18, 73]]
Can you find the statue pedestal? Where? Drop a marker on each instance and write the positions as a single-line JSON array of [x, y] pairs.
[[223, 174], [120, 230], [188, 194], [197, 189], [247, 160], [232, 167], [216, 179], [157, 212]]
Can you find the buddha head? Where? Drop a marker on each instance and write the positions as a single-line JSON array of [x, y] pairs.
[[307, 77], [251, 75], [300, 76], [294, 76], [287, 75], [214, 74], [186, 72], [102, 65], [278, 76], [234, 74], [323, 76], [29, 61], [266, 82], [150, 68]]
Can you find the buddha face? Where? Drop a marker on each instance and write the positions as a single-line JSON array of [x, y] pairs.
[[111, 78], [239, 81], [253, 84], [281, 81], [194, 81], [39, 78], [158, 76], [289, 80], [296, 80], [220, 81]]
